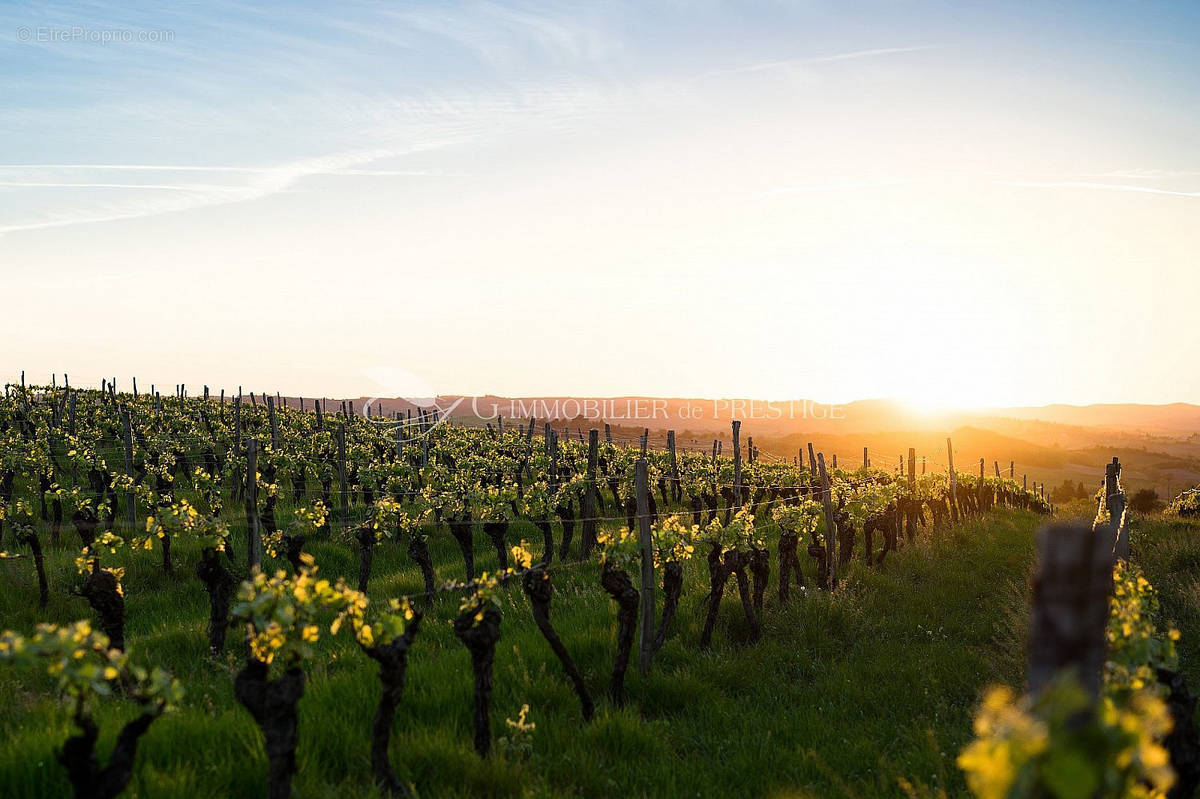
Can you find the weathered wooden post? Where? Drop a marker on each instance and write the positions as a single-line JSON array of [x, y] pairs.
[[130, 501], [646, 641], [344, 501], [1070, 605], [253, 532], [1114, 500], [831, 535], [953, 483], [274, 422], [737, 463], [866, 460], [674, 465], [588, 531]]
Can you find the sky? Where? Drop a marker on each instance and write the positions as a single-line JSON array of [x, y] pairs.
[[950, 203]]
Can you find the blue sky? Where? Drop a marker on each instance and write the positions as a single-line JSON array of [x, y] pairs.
[[588, 177]]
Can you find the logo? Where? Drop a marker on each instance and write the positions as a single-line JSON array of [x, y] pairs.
[[395, 383]]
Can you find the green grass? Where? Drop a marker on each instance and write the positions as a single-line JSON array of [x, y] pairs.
[[1168, 550], [841, 697]]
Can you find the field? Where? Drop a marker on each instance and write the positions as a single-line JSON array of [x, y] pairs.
[[842, 696], [867, 676]]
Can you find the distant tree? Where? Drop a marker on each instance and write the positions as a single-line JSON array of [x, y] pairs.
[[1146, 500], [1066, 492], [1081, 492]]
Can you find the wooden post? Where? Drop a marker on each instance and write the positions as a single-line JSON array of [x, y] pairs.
[[912, 470], [866, 461], [607, 433], [831, 535], [1025, 482], [344, 502], [646, 643], [253, 533], [130, 496], [1114, 500], [953, 482], [274, 422], [1011, 469], [553, 460], [922, 464], [673, 461], [1070, 605], [812, 460], [645, 440], [588, 532], [997, 465], [737, 463]]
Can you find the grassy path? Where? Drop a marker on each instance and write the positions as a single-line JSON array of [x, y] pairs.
[[840, 698]]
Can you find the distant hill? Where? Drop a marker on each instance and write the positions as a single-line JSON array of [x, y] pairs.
[[1175, 418], [1159, 445]]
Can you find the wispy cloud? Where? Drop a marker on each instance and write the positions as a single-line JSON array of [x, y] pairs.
[[1071, 184], [139, 167], [1147, 174], [824, 59], [264, 182], [387, 130], [24, 184]]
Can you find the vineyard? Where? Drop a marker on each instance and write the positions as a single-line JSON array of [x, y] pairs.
[[235, 595]]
